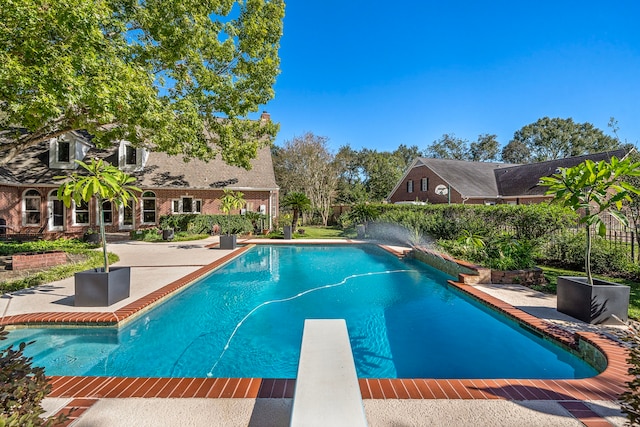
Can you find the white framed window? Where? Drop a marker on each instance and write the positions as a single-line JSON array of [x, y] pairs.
[[186, 205], [148, 207], [62, 153], [81, 213], [107, 212], [31, 210], [131, 158], [125, 217], [424, 184], [410, 186]]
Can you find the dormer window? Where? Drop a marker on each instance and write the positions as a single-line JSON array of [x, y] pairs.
[[131, 158], [62, 152]]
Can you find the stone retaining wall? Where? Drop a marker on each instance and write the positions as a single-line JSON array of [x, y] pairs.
[[534, 276], [465, 272], [37, 260]]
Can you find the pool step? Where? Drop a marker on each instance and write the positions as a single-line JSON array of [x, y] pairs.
[[327, 392]]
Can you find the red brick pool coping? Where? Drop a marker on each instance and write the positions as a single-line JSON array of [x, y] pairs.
[[570, 393]]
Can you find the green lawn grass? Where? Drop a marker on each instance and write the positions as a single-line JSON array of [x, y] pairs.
[[319, 232], [552, 273], [93, 259]]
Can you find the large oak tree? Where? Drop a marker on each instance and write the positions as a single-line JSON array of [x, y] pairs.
[[179, 76], [550, 139], [305, 165]]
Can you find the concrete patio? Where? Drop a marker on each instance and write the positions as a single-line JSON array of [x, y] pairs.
[[155, 265]]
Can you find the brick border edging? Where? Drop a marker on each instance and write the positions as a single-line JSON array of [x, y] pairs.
[[605, 386], [124, 313]]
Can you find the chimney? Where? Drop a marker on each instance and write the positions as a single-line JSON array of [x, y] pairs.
[[265, 117]]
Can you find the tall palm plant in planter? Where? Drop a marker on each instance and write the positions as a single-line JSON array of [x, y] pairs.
[[105, 183], [230, 200], [597, 189]]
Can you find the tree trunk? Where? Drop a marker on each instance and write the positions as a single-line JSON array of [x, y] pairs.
[[587, 255], [103, 235], [294, 221]]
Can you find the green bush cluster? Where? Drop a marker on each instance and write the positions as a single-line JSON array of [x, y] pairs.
[[449, 221], [567, 250], [22, 388], [500, 252], [206, 224], [67, 245], [510, 234]]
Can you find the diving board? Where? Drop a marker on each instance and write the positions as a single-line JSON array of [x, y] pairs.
[[327, 391]]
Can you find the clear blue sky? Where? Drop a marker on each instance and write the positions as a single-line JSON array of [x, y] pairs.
[[378, 74]]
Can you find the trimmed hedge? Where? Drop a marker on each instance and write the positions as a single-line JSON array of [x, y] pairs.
[[449, 221], [206, 224]]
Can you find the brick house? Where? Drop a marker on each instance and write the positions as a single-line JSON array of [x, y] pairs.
[[458, 181], [28, 202]]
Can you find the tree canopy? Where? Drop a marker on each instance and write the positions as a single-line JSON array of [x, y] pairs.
[[305, 165], [179, 76], [550, 139], [485, 149]]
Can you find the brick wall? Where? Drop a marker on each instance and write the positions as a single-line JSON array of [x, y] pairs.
[[38, 260], [416, 174], [11, 209]]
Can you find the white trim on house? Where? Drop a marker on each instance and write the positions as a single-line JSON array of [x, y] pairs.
[[124, 217], [55, 211], [35, 206], [74, 149], [130, 158]]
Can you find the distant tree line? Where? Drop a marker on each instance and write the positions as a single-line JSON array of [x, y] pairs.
[[306, 165]]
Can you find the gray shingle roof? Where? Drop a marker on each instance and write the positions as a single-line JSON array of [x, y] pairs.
[[470, 179], [161, 171], [523, 180]]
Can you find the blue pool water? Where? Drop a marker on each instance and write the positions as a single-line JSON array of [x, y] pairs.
[[246, 319]]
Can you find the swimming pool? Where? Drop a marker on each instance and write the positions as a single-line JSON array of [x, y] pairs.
[[245, 320]]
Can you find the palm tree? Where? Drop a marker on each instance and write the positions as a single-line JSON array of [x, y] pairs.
[[229, 201], [297, 202]]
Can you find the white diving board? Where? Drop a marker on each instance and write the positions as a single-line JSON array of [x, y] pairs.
[[327, 392]]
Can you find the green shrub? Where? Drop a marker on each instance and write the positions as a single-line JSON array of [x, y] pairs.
[[147, 235], [567, 250], [448, 221], [502, 252], [359, 214], [22, 388], [67, 245], [205, 224]]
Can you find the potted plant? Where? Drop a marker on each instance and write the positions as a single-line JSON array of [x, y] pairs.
[[257, 221], [168, 233], [230, 200], [90, 236], [597, 189], [105, 182]]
